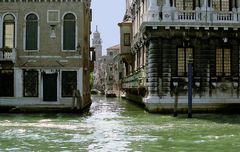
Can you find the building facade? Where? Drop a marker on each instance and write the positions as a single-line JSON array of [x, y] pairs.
[[44, 53], [158, 37], [98, 82]]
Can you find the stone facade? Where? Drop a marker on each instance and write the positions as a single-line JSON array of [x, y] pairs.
[[163, 36], [47, 57]]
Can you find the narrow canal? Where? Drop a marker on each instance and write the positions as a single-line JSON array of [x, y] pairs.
[[113, 125]]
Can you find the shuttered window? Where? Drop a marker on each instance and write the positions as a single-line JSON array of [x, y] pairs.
[[8, 31], [69, 32], [221, 5], [31, 32], [223, 62], [183, 55]]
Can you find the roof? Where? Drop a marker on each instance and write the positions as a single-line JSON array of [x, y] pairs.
[[114, 47]]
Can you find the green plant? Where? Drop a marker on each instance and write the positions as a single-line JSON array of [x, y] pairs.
[[6, 49]]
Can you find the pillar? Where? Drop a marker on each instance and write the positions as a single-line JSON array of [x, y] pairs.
[[1, 30], [152, 71], [18, 82]]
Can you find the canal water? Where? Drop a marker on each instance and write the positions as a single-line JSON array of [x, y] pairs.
[[113, 125]]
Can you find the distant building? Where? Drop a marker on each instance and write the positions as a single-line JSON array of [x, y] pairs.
[[112, 82], [44, 53], [98, 71], [159, 37]]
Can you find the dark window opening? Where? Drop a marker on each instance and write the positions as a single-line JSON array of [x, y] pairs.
[[69, 83], [69, 32], [30, 83], [32, 32]]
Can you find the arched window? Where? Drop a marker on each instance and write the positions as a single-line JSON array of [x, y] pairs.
[[8, 31], [69, 32], [31, 42]]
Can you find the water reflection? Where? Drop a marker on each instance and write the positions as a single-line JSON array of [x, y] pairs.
[[117, 125]]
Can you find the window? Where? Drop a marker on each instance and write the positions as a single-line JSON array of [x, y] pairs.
[[184, 4], [30, 83], [8, 31], [69, 32], [221, 5], [31, 32], [223, 62], [69, 83], [183, 57], [127, 39]]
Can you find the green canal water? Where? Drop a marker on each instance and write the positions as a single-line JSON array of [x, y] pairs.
[[113, 125]]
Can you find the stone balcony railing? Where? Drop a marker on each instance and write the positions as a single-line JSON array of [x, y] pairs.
[[135, 80], [195, 17], [8, 56]]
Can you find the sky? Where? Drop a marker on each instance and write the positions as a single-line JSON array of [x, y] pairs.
[[106, 15]]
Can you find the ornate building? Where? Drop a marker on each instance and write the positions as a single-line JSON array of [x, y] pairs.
[[159, 36], [44, 53]]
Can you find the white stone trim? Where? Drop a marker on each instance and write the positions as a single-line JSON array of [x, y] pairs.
[[40, 57], [76, 32], [58, 19], [24, 33]]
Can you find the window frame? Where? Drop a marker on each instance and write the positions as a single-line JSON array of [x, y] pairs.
[[221, 5], [24, 83], [14, 29], [185, 62], [223, 61], [63, 82], [76, 33], [25, 33]]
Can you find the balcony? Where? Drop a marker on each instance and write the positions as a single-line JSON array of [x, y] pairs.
[[135, 80], [8, 55], [197, 18]]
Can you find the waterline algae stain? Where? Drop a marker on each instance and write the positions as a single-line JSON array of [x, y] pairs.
[[117, 125]]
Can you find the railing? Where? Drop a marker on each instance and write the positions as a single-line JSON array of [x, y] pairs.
[[224, 16], [195, 16], [8, 55], [135, 80], [185, 15]]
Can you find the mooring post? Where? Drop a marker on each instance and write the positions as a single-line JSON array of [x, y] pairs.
[[190, 71]]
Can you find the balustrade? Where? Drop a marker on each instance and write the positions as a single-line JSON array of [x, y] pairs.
[[8, 56]]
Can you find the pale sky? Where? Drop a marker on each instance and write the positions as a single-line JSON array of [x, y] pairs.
[[107, 14]]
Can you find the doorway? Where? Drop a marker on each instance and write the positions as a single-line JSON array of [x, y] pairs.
[[50, 87], [6, 83]]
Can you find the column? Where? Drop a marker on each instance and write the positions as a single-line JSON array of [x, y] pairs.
[[152, 71], [1, 30], [18, 82]]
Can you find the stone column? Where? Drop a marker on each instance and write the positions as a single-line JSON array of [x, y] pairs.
[[18, 83], [152, 71], [1, 30]]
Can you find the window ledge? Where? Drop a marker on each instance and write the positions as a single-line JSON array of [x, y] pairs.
[[69, 50]]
